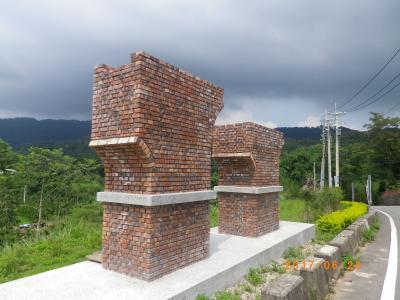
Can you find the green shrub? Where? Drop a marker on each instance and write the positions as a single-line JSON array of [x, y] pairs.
[[336, 221], [321, 202]]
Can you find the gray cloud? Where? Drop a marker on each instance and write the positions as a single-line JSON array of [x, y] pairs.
[[279, 61]]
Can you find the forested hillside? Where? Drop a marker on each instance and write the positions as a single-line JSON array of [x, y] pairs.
[[73, 136]]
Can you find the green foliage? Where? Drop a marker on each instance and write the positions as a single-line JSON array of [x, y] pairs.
[[350, 262], [202, 297], [369, 234], [293, 253], [214, 173], [321, 202], [226, 295], [247, 288], [276, 267], [339, 220], [254, 277], [7, 156], [69, 242], [213, 213], [291, 210]]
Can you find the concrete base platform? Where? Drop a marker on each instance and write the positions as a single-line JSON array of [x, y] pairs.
[[230, 259]]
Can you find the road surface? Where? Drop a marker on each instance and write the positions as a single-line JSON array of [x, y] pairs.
[[377, 272]]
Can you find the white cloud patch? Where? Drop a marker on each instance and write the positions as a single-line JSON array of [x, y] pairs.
[[230, 116], [311, 121]]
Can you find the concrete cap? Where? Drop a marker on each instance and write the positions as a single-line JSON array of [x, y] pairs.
[[155, 199], [248, 189]]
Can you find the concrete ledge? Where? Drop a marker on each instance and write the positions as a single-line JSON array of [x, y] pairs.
[[230, 259], [114, 141], [155, 199], [248, 189]]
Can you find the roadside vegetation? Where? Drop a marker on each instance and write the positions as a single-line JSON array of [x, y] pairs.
[[49, 218]]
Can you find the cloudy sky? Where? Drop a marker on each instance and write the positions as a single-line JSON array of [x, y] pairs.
[[281, 63]]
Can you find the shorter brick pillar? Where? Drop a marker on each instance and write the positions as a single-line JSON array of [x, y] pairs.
[[152, 125], [247, 155]]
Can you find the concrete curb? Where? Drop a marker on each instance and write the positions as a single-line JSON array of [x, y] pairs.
[[313, 280]]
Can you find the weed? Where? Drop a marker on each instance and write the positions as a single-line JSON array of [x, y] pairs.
[[202, 297], [278, 268], [292, 254], [350, 262], [254, 277], [226, 295], [247, 288], [369, 234]]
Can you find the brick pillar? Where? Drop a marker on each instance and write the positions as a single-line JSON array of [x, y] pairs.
[[151, 127], [247, 155]]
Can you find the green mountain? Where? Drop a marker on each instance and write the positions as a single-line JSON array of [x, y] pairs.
[[73, 136]]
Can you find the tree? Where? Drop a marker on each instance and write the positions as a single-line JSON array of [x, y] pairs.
[[7, 156], [384, 141]]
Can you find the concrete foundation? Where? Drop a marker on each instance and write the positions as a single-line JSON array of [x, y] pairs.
[[230, 259]]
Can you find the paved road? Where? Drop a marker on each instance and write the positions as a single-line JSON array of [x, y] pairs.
[[367, 282]]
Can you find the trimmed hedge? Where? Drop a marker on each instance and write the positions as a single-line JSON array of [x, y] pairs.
[[336, 221]]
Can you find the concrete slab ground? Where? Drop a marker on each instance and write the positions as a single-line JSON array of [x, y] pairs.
[[229, 260]]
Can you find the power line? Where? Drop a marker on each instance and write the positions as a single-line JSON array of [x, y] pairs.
[[377, 99], [391, 109], [377, 93], [368, 82]]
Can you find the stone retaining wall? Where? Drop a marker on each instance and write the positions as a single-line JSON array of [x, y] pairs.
[[312, 281]]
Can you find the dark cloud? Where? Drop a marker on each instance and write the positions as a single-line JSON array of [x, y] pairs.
[[279, 61]]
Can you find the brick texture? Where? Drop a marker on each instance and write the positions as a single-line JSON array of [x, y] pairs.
[[247, 155], [262, 143], [168, 116], [248, 214], [171, 112], [148, 242]]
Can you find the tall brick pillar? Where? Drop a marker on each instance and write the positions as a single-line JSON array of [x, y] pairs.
[[247, 155], [152, 125]]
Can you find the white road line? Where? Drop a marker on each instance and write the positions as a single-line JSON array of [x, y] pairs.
[[389, 285]]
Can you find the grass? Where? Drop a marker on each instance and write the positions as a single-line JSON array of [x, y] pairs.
[[276, 267], [254, 277], [213, 213], [227, 295], [350, 262], [68, 242], [369, 234], [292, 254], [291, 210]]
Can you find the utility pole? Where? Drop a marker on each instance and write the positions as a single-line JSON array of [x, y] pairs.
[[24, 194], [315, 181], [352, 192], [370, 189], [322, 177], [337, 116], [328, 130]]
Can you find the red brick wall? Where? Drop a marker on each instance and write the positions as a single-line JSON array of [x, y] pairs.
[[148, 242], [173, 114], [248, 214], [247, 154], [264, 145], [170, 115]]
